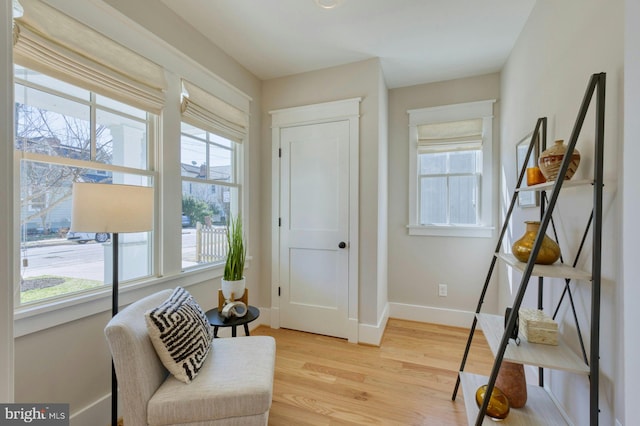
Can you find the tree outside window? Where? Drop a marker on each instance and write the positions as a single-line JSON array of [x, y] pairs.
[[65, 134]]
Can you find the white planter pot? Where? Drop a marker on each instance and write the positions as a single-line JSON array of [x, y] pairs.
[[233, 287]]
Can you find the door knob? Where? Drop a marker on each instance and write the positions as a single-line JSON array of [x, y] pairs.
[[342, 244]]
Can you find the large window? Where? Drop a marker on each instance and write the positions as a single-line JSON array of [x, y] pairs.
[[450, 167], [67, 134]]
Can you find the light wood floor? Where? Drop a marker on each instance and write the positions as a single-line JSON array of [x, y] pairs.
[[408, 380]]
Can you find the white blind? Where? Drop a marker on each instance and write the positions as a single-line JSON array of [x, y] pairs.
[[450, 136], [53, 43], [207, 112]]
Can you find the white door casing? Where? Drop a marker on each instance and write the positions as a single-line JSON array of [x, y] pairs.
[[315, 205]]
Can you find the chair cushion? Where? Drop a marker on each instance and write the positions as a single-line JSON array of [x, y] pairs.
[[235, 381], [181, 334]]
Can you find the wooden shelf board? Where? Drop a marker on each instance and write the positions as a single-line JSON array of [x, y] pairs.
[[559, 357], [557, 270], [549, 185], [540, 408]]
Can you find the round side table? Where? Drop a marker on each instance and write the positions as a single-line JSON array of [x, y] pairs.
[[217, 320]]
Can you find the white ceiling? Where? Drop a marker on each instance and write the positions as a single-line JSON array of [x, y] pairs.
[[417, 41]]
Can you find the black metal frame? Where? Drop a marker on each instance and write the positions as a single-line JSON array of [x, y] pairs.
[[596, 85]]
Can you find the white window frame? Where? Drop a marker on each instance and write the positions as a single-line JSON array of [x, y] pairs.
[[234, 183], [151, 124], [167, 256], [443, 114]]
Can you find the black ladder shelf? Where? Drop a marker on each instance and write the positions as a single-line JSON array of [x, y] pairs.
[[497, 331]]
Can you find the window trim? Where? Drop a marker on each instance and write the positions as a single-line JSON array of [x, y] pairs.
[[447, 113], [53, 312]]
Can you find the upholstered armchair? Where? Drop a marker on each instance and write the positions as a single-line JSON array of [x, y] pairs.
[[233, 387]]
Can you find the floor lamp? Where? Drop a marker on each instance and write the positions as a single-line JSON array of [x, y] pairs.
[[112, 209]]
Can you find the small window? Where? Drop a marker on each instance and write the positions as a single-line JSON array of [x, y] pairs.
[[451, 170]]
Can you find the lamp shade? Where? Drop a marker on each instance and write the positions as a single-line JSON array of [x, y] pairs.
[[111, 208]]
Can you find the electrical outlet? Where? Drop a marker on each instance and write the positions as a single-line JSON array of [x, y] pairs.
[[442, 290]]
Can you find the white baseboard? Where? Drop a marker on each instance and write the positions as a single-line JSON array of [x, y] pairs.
[[263, 319], [372, 334], [97, 413], [452, 317], [559, 406]]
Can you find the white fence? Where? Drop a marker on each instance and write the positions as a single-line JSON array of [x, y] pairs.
[[211, 243]]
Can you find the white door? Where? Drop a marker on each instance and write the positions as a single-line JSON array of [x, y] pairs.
[[314, 230]]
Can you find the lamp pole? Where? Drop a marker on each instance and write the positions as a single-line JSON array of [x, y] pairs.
[[114, 310]]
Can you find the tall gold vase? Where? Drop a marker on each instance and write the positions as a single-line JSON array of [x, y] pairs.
[[549, 251]]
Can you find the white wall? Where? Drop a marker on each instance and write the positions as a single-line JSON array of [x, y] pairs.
[[562, 44], [383, 198], [628, 377], [418, 264], [361, 79]]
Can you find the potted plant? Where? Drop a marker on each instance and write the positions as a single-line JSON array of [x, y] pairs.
[[233, 281]]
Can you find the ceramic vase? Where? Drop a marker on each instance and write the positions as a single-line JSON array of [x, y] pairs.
[[550, 161], [233, 290], [512, 382], [549, 251]]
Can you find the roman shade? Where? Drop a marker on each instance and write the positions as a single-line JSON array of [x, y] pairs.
[[461, 135], [207, 112], [48, 41]]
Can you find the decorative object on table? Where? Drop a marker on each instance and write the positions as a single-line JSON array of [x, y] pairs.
[[526, 198], [233, 282], [217, 320], [549, 251], [235, 309], [538, 327], [513, 383], [114, 209], [222, 301], [498, 408], [534, 176], [514, 333], [551, 160]]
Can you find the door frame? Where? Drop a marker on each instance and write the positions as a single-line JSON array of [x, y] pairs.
[[327, 112]]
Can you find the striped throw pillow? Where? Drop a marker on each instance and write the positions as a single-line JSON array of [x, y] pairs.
[[181, 334]]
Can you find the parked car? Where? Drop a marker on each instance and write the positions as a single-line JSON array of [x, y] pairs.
[[186, 221], [83, 237]]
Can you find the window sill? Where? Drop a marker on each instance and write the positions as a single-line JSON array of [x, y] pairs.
[[33, 318], [451, 231]]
